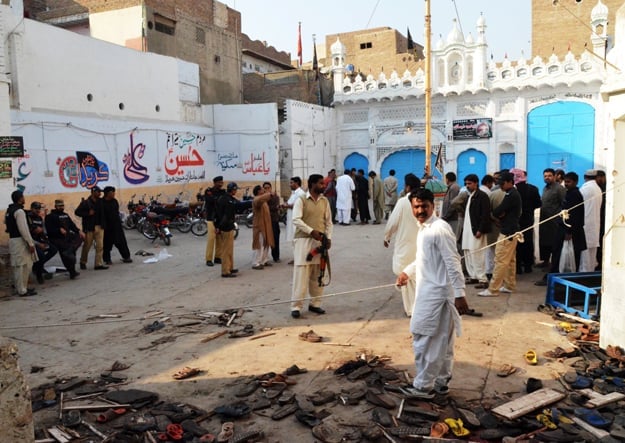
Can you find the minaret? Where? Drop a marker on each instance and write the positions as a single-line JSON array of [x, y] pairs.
[[599, 24], [479, 57], [338, 64]]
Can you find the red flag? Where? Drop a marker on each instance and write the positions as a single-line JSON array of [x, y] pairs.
[[299, 43]]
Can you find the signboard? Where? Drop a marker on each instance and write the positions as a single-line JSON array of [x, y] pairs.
[[11, 146], [5, 169], [473, 128]]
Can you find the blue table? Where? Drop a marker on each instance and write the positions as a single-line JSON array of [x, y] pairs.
[[578, 293]]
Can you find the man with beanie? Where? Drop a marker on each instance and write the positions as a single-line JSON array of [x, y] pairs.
[[45, 249], [91, 210], [21, 244], [213, 241], [65, 235]]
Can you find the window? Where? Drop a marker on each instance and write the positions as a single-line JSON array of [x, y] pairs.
[[164, 24], [365, 45], [200, 35]]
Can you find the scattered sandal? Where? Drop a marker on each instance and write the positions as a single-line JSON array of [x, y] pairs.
[[310, 336], [119, 366], [227, 431], [531, 358], [295, 370], [186, 372], [439, 429], [457, 427], [505, 370]]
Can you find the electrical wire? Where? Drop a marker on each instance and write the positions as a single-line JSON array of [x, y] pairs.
[[372, 14]]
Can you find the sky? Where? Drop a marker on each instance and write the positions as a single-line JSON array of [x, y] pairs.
[[275, 21]]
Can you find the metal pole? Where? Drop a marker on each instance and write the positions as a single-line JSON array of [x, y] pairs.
[[428, 91]]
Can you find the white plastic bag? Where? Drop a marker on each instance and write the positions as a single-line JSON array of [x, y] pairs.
[[567, 257]]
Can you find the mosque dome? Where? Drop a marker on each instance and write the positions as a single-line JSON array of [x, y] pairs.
[[599, 12], [337, 47], [455, 36]]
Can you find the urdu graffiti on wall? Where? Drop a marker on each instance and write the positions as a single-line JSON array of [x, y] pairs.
[[256, 165], [228, 160], [85, 169], [134, 172], [183, 154]]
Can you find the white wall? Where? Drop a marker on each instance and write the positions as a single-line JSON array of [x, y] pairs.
[[117, 26], [57, 69]]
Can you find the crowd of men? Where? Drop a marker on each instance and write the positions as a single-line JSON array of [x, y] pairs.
[[36, 236]]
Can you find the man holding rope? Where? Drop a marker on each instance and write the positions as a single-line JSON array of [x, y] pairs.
[[312, 219], [439, 298]]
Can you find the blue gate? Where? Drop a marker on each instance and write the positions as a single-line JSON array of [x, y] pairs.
[[560, 135], [471, 161], [404, 162], [357, 161], [507, 160]]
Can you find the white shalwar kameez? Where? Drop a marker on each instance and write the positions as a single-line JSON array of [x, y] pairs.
[[439, 280], [473, 247], [290, 229], [591, 192], [403, 224], [344, 187]]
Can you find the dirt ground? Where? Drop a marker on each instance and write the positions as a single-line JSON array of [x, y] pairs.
[[60, 330]]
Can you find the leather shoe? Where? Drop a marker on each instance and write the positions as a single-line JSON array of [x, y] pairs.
[[295, 314], [316, 310], [100, 268], [217, 261], [127, 260], [234, 271], [31, 291], [83, 266], [228, 275], [209, 263]]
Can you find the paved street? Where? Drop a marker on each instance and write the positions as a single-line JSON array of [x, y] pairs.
[[59, 329]]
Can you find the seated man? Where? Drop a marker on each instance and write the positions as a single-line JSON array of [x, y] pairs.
[[45, 250]]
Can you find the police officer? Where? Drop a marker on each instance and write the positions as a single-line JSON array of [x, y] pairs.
[[213, 241], [45, 250], [21, 244], [65, 235]]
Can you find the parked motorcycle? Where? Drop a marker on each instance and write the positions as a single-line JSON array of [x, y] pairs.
[[135, 212], [156, 226], [200, 228]]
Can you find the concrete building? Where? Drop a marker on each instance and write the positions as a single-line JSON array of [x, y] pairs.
[[206, 33], [258, 57]]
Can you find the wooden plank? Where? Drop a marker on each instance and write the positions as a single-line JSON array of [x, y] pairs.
[[596, 400], [99, 407], [59, 435], [528, 403], [599, 433], [213, 336]]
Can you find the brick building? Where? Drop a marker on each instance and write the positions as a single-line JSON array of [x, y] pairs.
[[207, 33], [561, 24], [377, 49]]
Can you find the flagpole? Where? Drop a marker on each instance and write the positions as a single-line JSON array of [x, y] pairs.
[[428, 91]]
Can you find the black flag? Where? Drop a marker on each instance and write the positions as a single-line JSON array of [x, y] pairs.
[[410, 42], [315, 63]]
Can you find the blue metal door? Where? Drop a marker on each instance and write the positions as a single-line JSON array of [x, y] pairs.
[[560, 135], [357, 161], [405, 162], [506, 160], [471, 161]]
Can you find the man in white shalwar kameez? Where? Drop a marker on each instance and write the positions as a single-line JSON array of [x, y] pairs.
[[592, 194], [403, 224], [439, 300], [296, 192], [344, 188]]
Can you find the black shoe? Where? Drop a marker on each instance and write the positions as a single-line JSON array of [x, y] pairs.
[[83, 266], [217, 261], [27, 294], [316, 310], [209, 263], [127, 260], [31, 291], [73, 275], [234, 271], [231, 275], [100, 268], [295, 314]]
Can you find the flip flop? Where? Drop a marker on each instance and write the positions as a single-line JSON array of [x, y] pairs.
[[531, 357], [310, 336], [457, 427], [439, 429], [186, 372], [474, 313], [505, 370], [592, 417], [227, 431]]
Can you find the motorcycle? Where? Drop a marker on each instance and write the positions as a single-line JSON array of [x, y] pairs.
[[135, 212], [177, 213], [156, 226], [200, 228]]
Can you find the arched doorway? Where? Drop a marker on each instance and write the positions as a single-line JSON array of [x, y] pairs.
[[471, 161], [406, 161], [356, 160], [560, 135]]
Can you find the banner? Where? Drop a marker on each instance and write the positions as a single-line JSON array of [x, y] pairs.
[[472, 128]]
